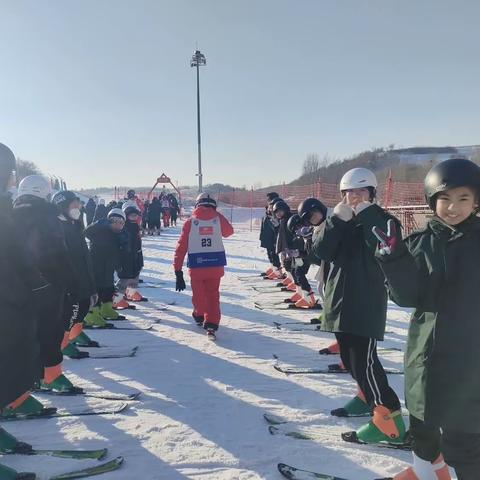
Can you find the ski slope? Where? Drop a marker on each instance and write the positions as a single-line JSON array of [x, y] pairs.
[[200, 414]]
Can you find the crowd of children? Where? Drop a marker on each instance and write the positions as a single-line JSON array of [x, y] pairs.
[[58, 284], [364, 260]]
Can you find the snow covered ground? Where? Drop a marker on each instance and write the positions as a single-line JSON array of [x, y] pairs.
[[200, 413]]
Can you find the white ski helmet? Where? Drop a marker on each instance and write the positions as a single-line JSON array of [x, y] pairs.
[[205, 200], [129, 204], [358, 178], [116, 212], [35, 185]]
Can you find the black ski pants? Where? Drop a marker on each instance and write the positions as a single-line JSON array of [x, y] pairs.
[[359, 356]]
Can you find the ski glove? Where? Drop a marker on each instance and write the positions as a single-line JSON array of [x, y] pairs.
[[387, 241], [180, 283]]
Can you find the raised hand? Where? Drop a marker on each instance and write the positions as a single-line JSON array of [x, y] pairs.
[[343, 211], [387, 241]]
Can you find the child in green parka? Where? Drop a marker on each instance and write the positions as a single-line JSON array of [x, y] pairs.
[[355, 306], [437, 272]]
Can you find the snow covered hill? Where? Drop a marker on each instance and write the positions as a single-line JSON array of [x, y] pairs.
[[200, 413], [423, 155]]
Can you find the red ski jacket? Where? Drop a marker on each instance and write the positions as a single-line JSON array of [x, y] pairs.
[[202, 213]]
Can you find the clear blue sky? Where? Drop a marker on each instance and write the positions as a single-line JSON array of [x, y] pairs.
[[101, 91]]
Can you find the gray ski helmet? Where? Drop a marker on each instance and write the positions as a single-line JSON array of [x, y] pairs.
[[451, 173], [7, 165], [116, 212], [309, 205], [205, 200], [294, 222]]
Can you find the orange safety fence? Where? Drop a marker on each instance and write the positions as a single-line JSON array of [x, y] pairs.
[[389, 194]]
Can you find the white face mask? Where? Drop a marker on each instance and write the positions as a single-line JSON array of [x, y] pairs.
[[74, 213]]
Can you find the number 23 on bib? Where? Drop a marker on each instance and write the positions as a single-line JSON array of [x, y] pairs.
[[205, 245]]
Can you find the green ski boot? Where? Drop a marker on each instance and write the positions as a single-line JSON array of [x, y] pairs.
[[83, 340], [61, 385], [72, 351], [31, 406], [9, 444], [107, 311], [7, 473], [94, 319], [356, 407], [385, 427]]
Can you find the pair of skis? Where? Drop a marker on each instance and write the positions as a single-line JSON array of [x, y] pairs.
[[110, 407], [293, 473], [122, 397], [105, 467], [114, 352], [314, 370], [125, 325], [298, 326], [279, 426], [285, 306]]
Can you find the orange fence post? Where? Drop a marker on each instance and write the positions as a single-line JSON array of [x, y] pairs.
[[251, 209]]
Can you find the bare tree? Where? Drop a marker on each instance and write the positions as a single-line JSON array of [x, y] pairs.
[[311, 164], [26, 168]]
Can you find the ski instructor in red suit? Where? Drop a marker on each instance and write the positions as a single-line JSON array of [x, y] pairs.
[[201, 238]]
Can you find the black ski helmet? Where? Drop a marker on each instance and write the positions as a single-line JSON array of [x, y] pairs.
[[310, 204], [275, 200], [280, 205], [63, 199], [451, 173], [7, 166], [272, 195], [294, 222], [131, 194]]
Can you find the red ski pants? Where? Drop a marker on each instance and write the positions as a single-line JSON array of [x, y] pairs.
[[206, 299]]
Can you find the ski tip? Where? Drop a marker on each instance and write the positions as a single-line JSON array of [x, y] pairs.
[[88, 472], [273, 430]]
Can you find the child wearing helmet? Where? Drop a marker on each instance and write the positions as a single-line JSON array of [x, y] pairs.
[[43, 242], [436, 272], [314, 213], [77, 303], [302, 240], [201, 239], [104, 237], [268, 238], [131, 254], [19, 369], [355, 306], [284, 245]]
